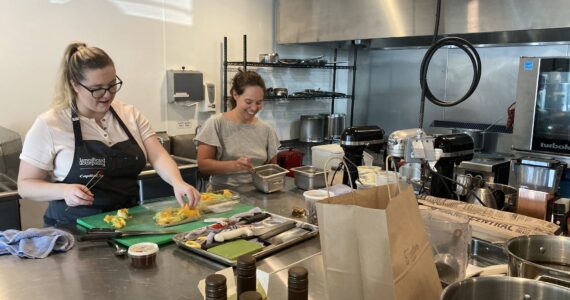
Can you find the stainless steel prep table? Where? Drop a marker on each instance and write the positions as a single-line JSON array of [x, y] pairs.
[[91, 271]]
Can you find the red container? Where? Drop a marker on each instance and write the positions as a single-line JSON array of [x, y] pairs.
[[290, 159]]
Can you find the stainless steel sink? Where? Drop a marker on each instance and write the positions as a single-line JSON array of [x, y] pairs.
[[151, 186]]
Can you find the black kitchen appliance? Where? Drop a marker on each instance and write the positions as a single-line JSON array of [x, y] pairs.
[[455, 149], [354, 140]]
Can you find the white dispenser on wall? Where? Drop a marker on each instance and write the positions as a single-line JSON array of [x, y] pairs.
[[209, 104], [184, 86]]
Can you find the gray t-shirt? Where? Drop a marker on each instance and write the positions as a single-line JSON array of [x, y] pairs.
[[257, 141]]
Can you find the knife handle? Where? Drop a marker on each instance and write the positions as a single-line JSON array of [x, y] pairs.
[[254, 218], [97, 236], [98, 230]]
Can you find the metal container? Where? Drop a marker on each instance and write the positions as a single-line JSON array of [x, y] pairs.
[[503, 288], [312, 129], [269, 178], [540, 256], [334, 125], [309, 177], [536, 174], [467, 182]]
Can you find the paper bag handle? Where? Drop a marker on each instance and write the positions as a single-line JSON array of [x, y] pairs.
[[388, 177], [326, 167]]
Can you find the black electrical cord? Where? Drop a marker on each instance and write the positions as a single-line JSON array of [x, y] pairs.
[[436, 45]]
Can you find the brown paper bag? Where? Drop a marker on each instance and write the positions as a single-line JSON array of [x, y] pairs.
[[375, 246]]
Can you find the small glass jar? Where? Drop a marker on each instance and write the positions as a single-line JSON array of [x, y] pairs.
[[143, 255]]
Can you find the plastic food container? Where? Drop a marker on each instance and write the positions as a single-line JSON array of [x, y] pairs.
[[269, 178], [321, 154], [143, 255], [311, 197], [309, 177]]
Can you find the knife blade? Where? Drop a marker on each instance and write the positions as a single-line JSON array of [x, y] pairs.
[[95, 234]]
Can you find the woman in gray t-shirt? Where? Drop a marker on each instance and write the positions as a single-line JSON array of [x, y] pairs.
[[232, 143]]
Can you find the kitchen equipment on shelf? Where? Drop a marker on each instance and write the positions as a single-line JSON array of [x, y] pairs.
[[334, 125], [503, 288], [290, 159], [312, 129], [311, 93], [309, 177], [10, 149], [277, 92], [269, 58], [545, 257], [269, 178], [354, 140]]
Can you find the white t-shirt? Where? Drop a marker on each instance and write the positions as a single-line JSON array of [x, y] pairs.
[[50, 143]]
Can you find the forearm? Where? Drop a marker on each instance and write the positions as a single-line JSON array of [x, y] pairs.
[[40, 190], [210, 166], [167, 170]]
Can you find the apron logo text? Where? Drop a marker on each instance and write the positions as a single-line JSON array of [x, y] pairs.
[[91, 162]]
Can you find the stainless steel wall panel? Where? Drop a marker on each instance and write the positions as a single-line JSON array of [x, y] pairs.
[[393, 23], [394, 89], [301, 21]]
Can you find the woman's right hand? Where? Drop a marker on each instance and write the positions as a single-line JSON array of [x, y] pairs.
[[77, 194], [243, 164]]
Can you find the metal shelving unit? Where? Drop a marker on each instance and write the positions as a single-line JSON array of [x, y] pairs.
[[332, 66]]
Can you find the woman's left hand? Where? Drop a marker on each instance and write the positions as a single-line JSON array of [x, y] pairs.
[[184, 190]]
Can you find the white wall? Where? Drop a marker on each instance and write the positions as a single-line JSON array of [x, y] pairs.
[[145, 38]]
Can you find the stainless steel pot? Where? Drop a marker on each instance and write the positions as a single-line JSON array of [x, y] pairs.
[[467, 182], [312, 129], [503, 288], [540, 256], [334, 125], [269, 58]]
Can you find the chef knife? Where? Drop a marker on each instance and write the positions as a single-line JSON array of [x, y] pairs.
[[253, 219], [95, 234]]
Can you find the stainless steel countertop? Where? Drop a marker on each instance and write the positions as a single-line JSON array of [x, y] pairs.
[[91, 271]]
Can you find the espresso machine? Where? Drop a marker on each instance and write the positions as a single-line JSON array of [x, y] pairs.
[[354, 140]]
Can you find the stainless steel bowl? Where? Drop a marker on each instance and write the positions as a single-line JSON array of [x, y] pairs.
[[503, 288], [539, 255]]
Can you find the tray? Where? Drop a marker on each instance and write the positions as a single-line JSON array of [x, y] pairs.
[[268, 248]]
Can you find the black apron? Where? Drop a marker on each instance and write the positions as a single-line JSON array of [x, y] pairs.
[[120, 164]]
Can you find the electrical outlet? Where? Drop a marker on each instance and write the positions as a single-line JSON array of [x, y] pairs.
[[186, 124]]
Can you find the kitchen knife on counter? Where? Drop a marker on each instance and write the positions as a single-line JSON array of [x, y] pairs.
[[253, 219], [96, 234]]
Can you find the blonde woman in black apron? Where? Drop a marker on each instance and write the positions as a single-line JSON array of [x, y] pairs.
[[89, 137]]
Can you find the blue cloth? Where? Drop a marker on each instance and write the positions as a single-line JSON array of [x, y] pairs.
[[35, 243]]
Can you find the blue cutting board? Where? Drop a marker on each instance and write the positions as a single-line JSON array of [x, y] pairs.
[[141, 219]]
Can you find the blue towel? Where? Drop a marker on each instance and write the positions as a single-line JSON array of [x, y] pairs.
[[35, 243]]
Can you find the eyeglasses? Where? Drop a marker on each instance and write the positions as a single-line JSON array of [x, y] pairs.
[[100, 92]]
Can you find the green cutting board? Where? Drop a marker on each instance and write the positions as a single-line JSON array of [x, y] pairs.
[[141, 219]]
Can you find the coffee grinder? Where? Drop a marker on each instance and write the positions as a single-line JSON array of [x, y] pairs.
[[354, 140]]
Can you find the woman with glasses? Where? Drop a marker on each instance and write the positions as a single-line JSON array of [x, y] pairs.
[[232, 143], [85, 153]]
